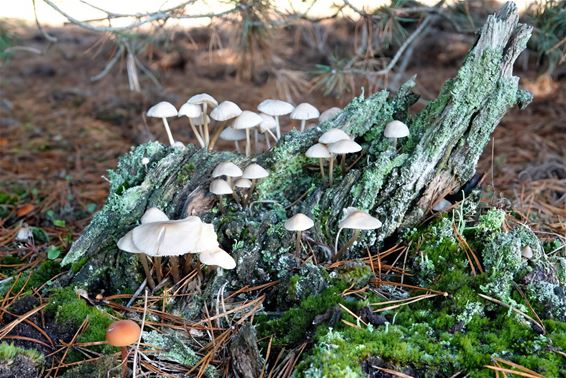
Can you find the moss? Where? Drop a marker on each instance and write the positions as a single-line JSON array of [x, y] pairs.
[[34, 278], [8, 351], [69, 310]]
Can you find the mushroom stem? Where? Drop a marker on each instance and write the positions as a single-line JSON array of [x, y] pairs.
[[143, 260], [157, 266], [236, 197], [343, 166], [237, 145], [298, 244], [394, 144], [267, 142], [321, 167], [303, 125], [345, 247], [174, 266], [124, 355], [256, 141], [221, 203], [277, 129], [168, 131], [272, 135], [331, 169], [248, 143], [204, 117], [197, 135], [215, 136]]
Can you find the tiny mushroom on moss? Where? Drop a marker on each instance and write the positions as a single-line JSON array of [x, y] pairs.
[[246, 121], [343, 147], [228, 169], [527, 252], [275, 108], [329, 114], [220, 188], [164, 110], [304, 112], [121, 334], [356, 220], [329, 137], [319, 151], [225, 111], [206, 101], [395, 130], [192, 111], [298, 223]]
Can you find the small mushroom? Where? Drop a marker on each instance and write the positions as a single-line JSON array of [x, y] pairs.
[[267, 124], [243, 183], [304, 112], [232, 135], [329, 137], [225, 111], [527, 252], [220, 188], [329, 114], [217, 257], [206, 101], [395, 130], [192, 111], [164, 110], [298, 223], [275, 108], [319, 151], [254, 172], [228, 169], [121, 334], [343, 147], [356, 220], [246, 121]]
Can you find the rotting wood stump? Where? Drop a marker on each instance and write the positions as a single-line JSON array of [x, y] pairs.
[[398, 186]]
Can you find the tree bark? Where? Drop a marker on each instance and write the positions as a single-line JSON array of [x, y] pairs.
[[397, 186]]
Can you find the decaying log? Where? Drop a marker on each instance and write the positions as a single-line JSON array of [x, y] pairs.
[[398, 186]]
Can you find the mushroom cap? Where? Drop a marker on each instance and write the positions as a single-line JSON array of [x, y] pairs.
[[243, 183], [153, 214], [275, 107], [396, 129], [190, 110], [298, 222], [227, 168], [220, 187], [358, 220], [199, 121], [345, 146], [254, 171], [207, 239], [170, 238], [246, 120], [333, 136], [225, 110], [441, 205], [328, 114], [305, 111], [203, 98], [527, 252], [319, 151], [163, 109], [123, 333], [217, 257], [267, 123], [232, 134], [126, 243]]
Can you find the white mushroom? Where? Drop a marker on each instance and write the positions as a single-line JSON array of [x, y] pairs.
[[192, 111], [217, 257], [246, 121], [225, 111], [395, 130], [304, 112], [233, 135], [319, 151], [275, 108], [329, 114], [298, 223], [356, 220], [206, 101], [164, 110], [344, 147], [220, 188]]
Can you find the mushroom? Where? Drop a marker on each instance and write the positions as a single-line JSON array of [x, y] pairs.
[[225, 111], [199, 121], [267, 124], [246, 121], [328, 114], [298, 223], [164, 110], [343, 147], [304, 112], [121, 334], [206, 101], [220, 187], [192, 111], [527, 252], [395, 130], [356, 220], [217, 257], [329, 137], [319, 151], [254, 172], [228, 169], [275, 108], [126, 243], [232, 135]]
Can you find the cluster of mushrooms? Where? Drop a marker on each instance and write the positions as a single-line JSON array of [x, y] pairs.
[[336, 142], [157, 237], [234, 124], [353, 219], [230, 179]]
